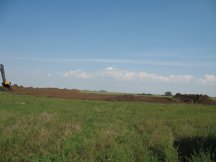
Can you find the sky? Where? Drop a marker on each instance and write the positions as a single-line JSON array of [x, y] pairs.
[[135, 46]]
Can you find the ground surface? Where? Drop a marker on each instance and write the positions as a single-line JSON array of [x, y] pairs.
[[51, 129], [76, 94]]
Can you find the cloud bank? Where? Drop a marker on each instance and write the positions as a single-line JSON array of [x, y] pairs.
[[125, 75], [208, 79]]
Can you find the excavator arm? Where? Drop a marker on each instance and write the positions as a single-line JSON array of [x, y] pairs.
[[5, 83]]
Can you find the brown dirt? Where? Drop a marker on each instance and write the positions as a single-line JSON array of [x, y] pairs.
[[152, 99], [76, 94]]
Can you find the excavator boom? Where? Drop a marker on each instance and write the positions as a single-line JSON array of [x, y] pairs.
[[5, 83]]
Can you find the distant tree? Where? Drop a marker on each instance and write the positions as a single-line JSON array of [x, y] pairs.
[[168, 93], [102, 91], [178, 95]]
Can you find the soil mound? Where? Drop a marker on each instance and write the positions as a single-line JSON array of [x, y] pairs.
[[123, 98], [152, 99], [55, 92], [76, 94]]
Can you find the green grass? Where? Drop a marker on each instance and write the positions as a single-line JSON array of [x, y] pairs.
[[51, 129]]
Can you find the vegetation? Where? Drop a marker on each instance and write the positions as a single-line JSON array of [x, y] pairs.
[[195, 98], [50, 129], [168, 93]]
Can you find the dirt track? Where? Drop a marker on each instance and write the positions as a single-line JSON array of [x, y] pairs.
[[76, 94]]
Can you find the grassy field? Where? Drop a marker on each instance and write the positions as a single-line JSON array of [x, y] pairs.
[[50, 129]]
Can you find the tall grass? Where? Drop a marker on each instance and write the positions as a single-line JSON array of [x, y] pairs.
[[50, 129]]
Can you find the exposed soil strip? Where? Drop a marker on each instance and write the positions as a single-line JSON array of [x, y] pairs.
[[76, 94]]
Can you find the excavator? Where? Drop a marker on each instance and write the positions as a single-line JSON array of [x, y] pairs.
[[5, 83]]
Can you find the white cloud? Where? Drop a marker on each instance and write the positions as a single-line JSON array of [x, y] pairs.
[[168, 78], [118, 74], [77, 74], [208, 80], [109, 68]]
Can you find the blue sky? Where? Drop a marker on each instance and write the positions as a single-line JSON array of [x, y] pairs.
[[116, 45]]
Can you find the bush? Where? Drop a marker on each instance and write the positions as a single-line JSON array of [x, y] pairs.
[[194, 98], [168, 93]]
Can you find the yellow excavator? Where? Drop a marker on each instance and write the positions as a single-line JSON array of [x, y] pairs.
[[5, 83]]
